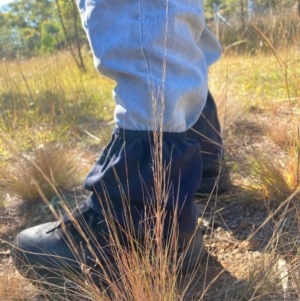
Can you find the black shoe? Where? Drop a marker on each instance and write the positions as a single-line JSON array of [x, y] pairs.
[[56, 255], [51, 254], [207, 131]]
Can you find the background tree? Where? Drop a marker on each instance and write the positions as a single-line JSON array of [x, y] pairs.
[[39, 26], [8, 38], [30, 41], [24, 19], [30, 13], [71, 27], [49, 36]]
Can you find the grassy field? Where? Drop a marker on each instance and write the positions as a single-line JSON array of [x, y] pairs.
[[55, 120], [50, 98]]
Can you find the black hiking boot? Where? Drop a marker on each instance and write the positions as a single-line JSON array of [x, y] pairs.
[[207, 131], [55, 255], [52, 255]]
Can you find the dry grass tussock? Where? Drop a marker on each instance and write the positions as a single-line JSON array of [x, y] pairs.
[[53, 165]]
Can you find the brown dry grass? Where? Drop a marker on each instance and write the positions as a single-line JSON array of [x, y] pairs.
[[63, 165]]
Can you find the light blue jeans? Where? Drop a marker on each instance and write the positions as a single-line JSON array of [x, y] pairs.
[[158, 52]]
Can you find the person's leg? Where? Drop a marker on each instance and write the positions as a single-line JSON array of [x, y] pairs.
[[122, 180], [161, 76], [207, 131]]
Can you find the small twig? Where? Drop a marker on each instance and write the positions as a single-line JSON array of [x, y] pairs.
[[5, 253], [284, 276], [7, 217]]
